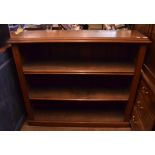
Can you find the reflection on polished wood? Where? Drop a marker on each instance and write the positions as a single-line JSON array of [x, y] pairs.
[[78, 94], [27, 127], [78, 68], [79, 36]]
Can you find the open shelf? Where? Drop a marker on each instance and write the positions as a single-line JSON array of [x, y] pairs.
[[81, 115], [71, 115], [60, 67], [78, 87], [77, 94], [79, 58]]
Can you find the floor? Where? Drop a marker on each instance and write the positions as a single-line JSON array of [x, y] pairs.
[[27, 127]]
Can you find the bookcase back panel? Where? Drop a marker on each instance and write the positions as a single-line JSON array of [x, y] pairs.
[[79, 81], [78, 112], [94, 52]]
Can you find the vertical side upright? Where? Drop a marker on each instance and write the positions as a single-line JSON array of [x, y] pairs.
[[22, 81], [136, 78]]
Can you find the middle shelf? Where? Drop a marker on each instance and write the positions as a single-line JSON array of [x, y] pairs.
[[73, 67], [78, 94], [78, 87]]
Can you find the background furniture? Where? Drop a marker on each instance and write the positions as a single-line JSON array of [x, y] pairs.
[[95, 26], [143, 117]]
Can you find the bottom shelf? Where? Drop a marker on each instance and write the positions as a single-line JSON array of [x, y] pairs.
[[96, 115], [27, 127]]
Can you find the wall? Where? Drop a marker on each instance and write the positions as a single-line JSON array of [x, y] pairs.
[[11, 103]]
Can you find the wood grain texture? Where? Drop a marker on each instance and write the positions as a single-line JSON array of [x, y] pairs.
[[79, 124], [78, 94], [135, 121], [74, 117], [60, 67], [144, 109], [79, 36], [135, 81], [147, 90]]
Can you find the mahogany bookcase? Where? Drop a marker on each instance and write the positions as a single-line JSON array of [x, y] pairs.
[[79, 78]]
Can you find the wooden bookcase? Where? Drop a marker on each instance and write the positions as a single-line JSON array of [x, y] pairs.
[[79, 78]]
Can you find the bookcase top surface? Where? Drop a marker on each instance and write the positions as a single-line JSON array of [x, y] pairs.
[[40, 36]]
